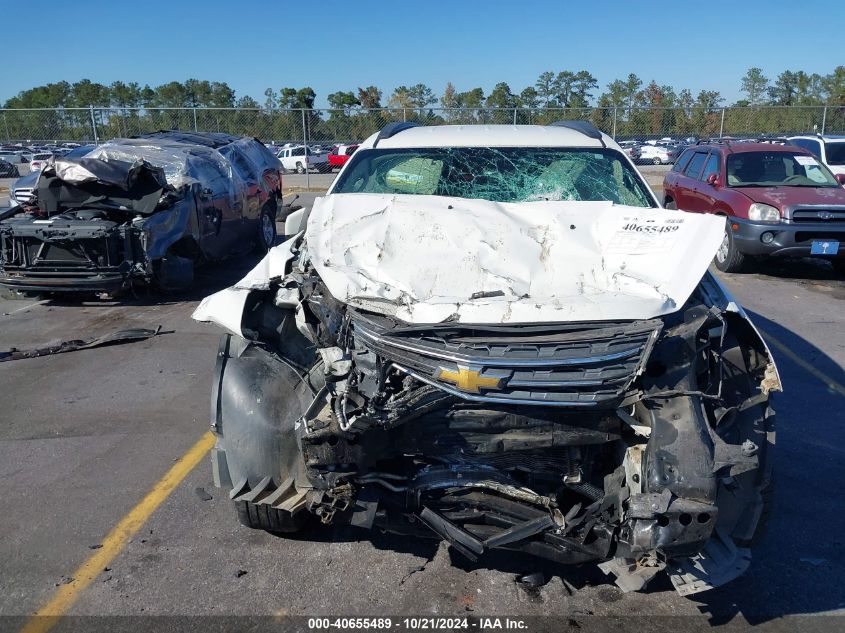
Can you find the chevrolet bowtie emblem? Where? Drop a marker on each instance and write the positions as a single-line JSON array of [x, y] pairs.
[[469, 379]]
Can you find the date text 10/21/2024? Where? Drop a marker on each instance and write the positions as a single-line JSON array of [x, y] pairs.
[[419, 623]]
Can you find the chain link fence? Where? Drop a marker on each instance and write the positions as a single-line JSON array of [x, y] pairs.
[[95, 125]]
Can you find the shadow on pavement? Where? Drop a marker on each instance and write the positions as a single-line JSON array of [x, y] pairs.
[[799, 562], [808, 268]]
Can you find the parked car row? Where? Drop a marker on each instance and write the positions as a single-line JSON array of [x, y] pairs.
[[13, 156], [23, 190], [314, 157], [662, 152], [298, 158]]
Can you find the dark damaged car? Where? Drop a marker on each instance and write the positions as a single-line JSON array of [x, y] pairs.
[[145, 209], [494, 336]]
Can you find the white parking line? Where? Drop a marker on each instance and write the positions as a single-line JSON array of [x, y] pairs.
[[27, 307]]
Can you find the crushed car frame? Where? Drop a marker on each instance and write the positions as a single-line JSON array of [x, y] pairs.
[[142, 209], [494, 336]]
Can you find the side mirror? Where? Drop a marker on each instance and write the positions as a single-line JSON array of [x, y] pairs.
[[840, 178], [713, 180]]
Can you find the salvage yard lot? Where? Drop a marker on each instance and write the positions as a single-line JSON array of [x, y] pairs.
[[86, 434]]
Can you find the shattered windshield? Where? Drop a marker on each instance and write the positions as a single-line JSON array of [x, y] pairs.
[[508, 174]]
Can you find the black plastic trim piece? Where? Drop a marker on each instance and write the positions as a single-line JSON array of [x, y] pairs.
[[585, 127], [392, 129]]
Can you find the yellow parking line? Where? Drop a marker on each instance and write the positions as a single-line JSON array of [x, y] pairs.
[[48, 615], [829, 382]]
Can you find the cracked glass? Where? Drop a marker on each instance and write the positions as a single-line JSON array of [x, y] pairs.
[[510, 174]]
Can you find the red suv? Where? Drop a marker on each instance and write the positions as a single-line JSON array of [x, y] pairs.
[[779, 200]]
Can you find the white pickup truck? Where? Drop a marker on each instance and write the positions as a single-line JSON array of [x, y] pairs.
[[299, 157]]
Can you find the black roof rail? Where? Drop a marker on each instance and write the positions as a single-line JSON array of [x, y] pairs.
[[392, 129], [585, 127]]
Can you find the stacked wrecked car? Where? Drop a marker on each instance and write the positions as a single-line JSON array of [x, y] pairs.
[[494, 336], [147, 209]]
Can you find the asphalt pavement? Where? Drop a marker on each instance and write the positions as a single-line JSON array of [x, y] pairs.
[[85, 435]]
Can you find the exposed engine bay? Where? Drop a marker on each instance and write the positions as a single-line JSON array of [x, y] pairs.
[[641, 444]]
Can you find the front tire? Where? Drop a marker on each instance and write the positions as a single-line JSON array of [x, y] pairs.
[[273, 520], [728, 259], [266, 228], [300, 169], [670, 205], [656, 161]]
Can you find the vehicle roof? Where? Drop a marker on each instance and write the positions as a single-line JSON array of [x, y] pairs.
[[740, 148], [215, 140], [488, 136]]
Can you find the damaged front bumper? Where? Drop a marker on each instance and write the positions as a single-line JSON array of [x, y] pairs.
[[643, 446], [76, 258]]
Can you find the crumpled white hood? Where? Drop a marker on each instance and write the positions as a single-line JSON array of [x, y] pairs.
[[426, 259]]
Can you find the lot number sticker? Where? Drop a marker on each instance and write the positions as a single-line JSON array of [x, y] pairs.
[[638, 236]]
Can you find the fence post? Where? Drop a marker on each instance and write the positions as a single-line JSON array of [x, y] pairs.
[[6, 123], [305, 145], [195, 119], [514, 116], [613, 136], [93, 125], [824, 119], [722, 123], [404, 115]]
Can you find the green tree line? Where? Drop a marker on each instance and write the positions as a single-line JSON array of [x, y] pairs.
[[627, 105]]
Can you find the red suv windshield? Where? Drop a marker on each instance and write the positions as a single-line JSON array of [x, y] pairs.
[[777, 169]]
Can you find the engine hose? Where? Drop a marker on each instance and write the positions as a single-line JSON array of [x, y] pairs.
[[587, 489]]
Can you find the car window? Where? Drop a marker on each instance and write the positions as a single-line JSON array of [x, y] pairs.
[[777, 169], [257, 154], [239, 163], [808, 144], [508, 174], [695, 165], [682, 161], [835, 153], [711, 167], [299, 151], [209, 174]]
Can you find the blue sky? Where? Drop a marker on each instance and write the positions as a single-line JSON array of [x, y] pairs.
[[333, 45]]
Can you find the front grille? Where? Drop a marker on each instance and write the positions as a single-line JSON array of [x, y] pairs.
[[818, 216], [571, 365]]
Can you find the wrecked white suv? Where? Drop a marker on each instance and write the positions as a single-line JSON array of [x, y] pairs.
[[494, 336]]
